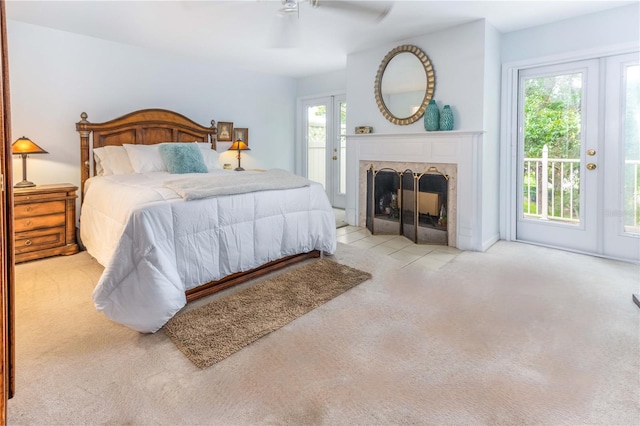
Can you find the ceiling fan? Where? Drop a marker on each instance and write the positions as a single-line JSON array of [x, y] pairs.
[[375, 11], [287, 26]]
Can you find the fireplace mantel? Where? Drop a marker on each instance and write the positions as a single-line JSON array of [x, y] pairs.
[[462, 148]]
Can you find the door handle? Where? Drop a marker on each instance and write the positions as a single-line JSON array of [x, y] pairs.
[[335, 157], [591, 152], [591, 166]]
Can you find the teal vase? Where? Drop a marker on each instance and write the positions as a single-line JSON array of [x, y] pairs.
[[431, 116], [446, 118]]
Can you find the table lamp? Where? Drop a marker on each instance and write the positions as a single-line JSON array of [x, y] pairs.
[[239, 146], [25, 146]]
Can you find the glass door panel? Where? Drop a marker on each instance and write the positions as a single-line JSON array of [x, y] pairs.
[[621, 215], [316, 136], [343, 149], [631, 135], [552, 142], [339, 159]]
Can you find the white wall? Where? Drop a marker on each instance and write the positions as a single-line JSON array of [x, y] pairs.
[[322, 84], [457, 58], [491, 138], [610, 28], [55, 75]]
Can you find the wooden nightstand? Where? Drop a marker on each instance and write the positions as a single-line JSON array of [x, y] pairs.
[[45, 221]]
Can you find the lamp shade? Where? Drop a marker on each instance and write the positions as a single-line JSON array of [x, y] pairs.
[[239, 146], [25, 145]]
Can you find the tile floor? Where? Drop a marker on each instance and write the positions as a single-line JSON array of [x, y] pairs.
[[408, 254]]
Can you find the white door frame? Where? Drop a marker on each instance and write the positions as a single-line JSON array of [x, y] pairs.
[[509, 126]]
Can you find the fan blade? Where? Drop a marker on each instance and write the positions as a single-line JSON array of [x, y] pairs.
[[370, 10]]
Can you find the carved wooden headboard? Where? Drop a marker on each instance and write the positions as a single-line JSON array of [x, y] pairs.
[[146, 126]]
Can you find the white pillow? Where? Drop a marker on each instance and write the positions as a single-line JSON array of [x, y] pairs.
[[210, 156], [145, 158], [112, 160], [99, 154]]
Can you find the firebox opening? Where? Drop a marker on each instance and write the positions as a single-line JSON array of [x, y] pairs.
[[394, 206]]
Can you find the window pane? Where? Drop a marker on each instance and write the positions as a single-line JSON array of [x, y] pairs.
[[552, 143], [632, 150], [317, 143], [343, 147]]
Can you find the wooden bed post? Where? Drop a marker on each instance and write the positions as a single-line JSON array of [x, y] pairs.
[[214, 135], [85, 166]]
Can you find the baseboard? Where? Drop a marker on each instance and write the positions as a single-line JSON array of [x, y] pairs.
[[490, 241]]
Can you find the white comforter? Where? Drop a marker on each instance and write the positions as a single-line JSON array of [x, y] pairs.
[[155, 246]]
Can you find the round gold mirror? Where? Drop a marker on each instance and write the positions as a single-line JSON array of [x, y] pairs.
[[404, 84]]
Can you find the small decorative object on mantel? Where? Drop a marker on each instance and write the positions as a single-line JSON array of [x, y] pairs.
[[360, 130], [432, 117], [446, 118]]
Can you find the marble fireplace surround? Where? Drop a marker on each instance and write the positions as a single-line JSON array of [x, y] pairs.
[[459, 152]]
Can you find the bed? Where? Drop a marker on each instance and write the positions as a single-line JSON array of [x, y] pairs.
[[166, 238]]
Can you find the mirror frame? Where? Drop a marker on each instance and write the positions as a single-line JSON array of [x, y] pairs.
[[431, 84]]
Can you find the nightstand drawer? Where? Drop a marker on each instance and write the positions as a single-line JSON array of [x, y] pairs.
[[38, 209], [32, 223], [39, 240], [32, 197]]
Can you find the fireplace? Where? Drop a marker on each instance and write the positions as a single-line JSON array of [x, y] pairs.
[[410, 203], [456, 154]]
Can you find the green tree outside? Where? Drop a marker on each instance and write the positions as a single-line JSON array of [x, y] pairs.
[[552, 117]]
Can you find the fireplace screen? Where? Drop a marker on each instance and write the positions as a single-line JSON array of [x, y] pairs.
[[408, 203]]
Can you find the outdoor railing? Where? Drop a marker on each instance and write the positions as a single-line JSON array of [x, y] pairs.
[[632, 196], [560, 180]]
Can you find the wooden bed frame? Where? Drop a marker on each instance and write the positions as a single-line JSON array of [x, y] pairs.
[[151, 126]]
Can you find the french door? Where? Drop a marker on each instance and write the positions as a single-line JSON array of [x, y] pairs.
[[323, 121], [578, 152], [557, 126]]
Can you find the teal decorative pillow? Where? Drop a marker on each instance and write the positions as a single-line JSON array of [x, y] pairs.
[[182, 158]]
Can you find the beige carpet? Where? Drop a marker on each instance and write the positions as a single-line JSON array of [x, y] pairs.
[[213, 332], [518, 335]]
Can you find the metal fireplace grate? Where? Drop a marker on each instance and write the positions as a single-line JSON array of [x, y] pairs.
[[413, 204]]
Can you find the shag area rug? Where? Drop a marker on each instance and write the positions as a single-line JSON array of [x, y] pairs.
[[214, 331]]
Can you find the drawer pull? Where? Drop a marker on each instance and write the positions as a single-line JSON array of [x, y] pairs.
[[28, 243], [28, 222], [29, 208]]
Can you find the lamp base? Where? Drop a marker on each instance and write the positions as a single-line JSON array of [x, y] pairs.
[[24, 184], [239, 169]]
